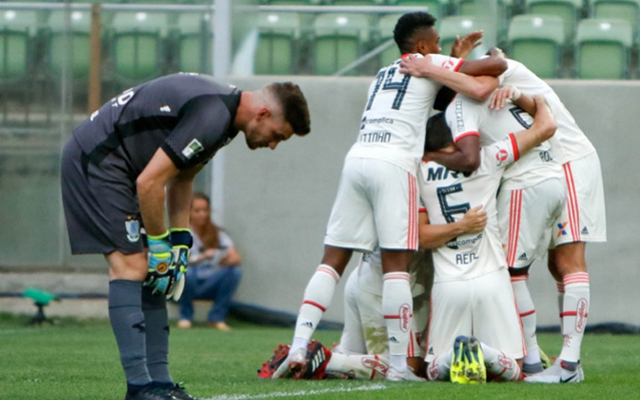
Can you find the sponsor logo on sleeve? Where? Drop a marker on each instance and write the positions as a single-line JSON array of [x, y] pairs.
[[194, 147]]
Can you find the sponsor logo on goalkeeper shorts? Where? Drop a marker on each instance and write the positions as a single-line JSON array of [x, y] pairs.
[[132, 225], [405, 317], [581, 315]]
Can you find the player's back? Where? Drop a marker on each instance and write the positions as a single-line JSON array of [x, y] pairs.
[[448, 195], [395, 116], [574, 142]]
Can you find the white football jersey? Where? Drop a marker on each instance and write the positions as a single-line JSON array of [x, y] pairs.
[[448, 195], [466, 116], [395, 117], [574, 143], [370, 275]]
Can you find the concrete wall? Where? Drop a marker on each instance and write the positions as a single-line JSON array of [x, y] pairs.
[[277, 203]]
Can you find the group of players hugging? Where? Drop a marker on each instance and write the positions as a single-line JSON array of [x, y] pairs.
[[501, 177]]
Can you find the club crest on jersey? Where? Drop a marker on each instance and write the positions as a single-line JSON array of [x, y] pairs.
[[194, 147], [132, 225]]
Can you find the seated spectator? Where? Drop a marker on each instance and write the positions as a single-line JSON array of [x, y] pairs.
[[214, 267]]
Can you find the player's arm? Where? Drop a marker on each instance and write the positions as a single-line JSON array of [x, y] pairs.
[[501, 95], [494, 65], [179, 192], [543, 128], [466, 157], [434, 236], [151, 185]]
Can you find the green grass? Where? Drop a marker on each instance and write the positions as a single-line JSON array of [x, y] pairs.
[[77, 359]]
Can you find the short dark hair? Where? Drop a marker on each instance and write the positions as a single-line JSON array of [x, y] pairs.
[[438, 133], [294, 106], [408, 25]]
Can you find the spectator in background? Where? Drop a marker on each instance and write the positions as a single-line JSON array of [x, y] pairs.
[[214, 267]]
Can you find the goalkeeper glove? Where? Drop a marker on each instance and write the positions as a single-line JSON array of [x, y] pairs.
[[161, 273], [181, 241]]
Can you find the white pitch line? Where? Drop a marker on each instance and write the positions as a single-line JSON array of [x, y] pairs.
[[296, 394]]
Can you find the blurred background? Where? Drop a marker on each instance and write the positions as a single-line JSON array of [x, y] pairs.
[[60, 60]]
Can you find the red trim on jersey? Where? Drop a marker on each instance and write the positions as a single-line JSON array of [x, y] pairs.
[[528, 313], [330, 271], [313, 303], [514, 226], [422, 209], [464, 135], [514, 145], [457, 67], [572, 203]]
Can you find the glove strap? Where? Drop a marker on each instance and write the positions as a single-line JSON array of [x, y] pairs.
[[181, 237], [159, 244]]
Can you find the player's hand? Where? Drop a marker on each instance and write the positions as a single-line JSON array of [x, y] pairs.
[[463, 47], [416, 65], [161, 264], [501, 95], [474, 220]]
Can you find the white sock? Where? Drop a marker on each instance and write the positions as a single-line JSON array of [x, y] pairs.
[[574, 314], [499, 364], [362, 366], [528, 318], [317, 298], [440, 368], [397, 306]]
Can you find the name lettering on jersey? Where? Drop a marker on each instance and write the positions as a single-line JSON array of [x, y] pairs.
[[375, 137], [440, 173], [123, 98], [546, 156], [194, 147], [466, 258], [459, 116], [95, 114], [165, 108]]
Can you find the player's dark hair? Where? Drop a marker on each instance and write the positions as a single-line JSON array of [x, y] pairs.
[[294, 106], [408, 26], [209, 233], [438, 134]]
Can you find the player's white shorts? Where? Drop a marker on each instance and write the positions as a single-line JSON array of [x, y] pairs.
[[377, 203], [365, 329], [583, 218], [526, 217], [484, 307]]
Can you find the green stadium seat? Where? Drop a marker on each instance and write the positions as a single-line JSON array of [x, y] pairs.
[[57, 49], [568, 10], [292, 2], [536, 41], [455, 25], [194, 38], [437, 8], [17, 36], [356, 2], [339, 39], [276, 51], [386, 25], [137, 45], [479, 7], [618, 9], [602, 48]]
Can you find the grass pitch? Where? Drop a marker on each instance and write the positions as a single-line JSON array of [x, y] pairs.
[[78, 359]]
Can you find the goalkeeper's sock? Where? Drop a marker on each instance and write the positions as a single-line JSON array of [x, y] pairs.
[[317, 298], [157, 335], [574, 314], [439, 368], [127, 322], [397, 310], [528, 318], [362, 366], [500, 365]]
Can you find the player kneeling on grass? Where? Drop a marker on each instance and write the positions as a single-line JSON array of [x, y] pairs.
[[472, 294]]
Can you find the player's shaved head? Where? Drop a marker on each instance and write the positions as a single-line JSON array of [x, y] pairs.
[[412, 27], [438, 134]]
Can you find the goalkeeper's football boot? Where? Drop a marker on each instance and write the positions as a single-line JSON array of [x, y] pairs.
[[475, 370], [560, 372], [150, 391], [458, 360], [177, 392], [316, 362], [269, 368], [393, 375]]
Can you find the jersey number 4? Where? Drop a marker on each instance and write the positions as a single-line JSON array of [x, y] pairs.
[[384, 81]]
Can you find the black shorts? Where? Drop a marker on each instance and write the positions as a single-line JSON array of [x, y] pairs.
[[100, 204]]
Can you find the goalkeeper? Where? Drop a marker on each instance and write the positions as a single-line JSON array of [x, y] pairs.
[[138, 152]]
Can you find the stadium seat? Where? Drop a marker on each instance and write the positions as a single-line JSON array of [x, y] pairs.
[[194, 38], [292, 2], [279, 33], [57, 49], [618, 9], [536, 42], [137, 45], [338, 40], [568, 10], [479, 7], [437, 8], [386, 25], [356, 2], [602, 48], [455, 25], [17, 35]]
